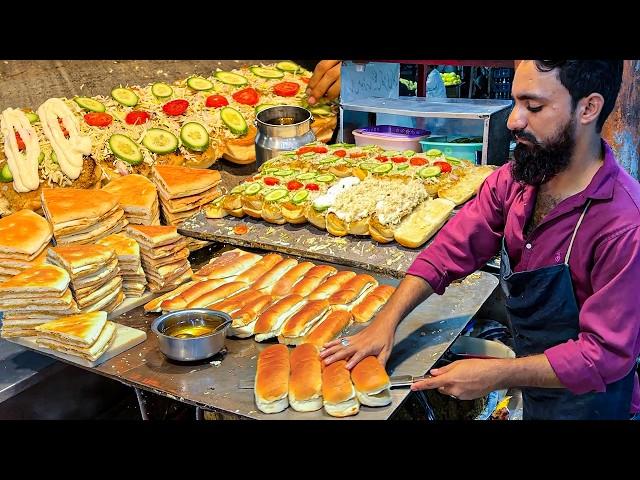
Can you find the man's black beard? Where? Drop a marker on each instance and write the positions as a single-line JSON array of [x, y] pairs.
[[538, 163]]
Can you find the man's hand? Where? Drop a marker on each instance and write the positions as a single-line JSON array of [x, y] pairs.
[[325, 81], [465, 379], [376, 339]]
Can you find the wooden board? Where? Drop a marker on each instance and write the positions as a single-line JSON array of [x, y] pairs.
[[305, 240], [126, 338], [130, 303]]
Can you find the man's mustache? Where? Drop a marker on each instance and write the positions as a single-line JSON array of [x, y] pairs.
[[522, 135]]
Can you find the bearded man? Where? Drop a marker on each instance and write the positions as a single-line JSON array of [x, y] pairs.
[[566, 219]]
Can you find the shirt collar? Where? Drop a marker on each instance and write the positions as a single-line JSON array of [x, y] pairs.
[[602, 183]]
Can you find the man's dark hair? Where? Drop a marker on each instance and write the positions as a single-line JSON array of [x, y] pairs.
[[584, 77]]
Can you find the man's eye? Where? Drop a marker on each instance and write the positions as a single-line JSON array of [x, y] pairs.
[[534, 109]]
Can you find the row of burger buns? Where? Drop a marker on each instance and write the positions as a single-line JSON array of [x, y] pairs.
[[271, 296], [298, 378]]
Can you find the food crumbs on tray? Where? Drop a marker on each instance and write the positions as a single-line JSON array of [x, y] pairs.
[[215, 363], [240, 229]]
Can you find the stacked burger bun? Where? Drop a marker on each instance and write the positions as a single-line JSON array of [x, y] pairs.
[[164, 255], [95, 275], [127, 249], [33, 297], [82, 216], [24, 237], [138, 196]]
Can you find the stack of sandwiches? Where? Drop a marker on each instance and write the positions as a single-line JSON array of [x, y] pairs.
[[128, 252], [82, 216], [86, 335], [371, 382], [272, 379], [164, 255], [95, 275], [24, 236], [138, 196], [33, 297]]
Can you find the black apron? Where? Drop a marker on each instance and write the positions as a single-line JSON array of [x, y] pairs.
[[543, 311]]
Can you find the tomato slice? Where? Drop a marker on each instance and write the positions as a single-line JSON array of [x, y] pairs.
[[216, 101], [417, 161], [357, 155], [21, 145], [302, 150], [98, 119], [175, 107], [320, 149], [240, 229], [382, 158], [312, 186], [340, 153], [305, 80], [445, 167], [398, 159], [246, 96], [136, 117], [271, 181], [286, 89], [65, 132], [294, 185]]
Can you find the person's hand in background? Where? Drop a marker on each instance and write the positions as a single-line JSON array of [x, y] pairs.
[[325, 81]]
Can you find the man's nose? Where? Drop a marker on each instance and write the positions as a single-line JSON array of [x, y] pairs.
[[517, 119]]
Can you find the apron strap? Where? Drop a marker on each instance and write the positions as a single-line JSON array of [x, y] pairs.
[[575, 231]]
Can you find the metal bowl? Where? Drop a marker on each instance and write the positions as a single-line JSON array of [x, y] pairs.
[[192, 348]]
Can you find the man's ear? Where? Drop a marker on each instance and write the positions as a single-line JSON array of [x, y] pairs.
[[589, 108]]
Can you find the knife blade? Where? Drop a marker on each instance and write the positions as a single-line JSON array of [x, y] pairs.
[[395, 381]]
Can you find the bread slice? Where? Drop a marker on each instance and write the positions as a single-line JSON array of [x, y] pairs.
[[24, 232], [421, 224]]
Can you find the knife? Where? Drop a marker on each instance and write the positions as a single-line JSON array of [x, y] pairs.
[[396, 381]]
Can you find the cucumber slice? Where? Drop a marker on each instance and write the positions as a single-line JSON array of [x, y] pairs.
[[308, 155], [369, 166], [234, 120], [199, 83], [239, 188], [32, 117], [40, 158], [5, 174], [252, 189], [320, 208], [384, 168], [432, 171], [125, 96], [271, 170], [300, 196], [402, 167], [54, 157], [159, 140], [283, 173], [433, 152], [266, 72], [194, 136], [408, 153], [287, 66], [230, 78], [321, 110], [330, 159], [326, 178], [90, 104], [453, 160], [124, 148], [341, 145], [370, 147], [161, 90], [306, 176], [263, 106], [276, 195]]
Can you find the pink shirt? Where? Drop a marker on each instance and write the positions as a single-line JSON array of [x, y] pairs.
[[604, 264]]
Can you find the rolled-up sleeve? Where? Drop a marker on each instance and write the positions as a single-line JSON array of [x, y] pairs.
[[607, 345], [469, 239]]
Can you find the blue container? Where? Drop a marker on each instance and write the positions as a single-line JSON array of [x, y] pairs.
[[468, 151]]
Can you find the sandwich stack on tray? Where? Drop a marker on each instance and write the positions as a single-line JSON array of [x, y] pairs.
[[82, 216], [33, 297], [184, 191], [164, 255], [95, 275], [24, 237], [86, 335], [138, 196], [128, 251]]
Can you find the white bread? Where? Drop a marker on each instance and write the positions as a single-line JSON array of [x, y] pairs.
[[295, 328], [154, 305], [217, 294], [312, 279], [331, 285], [371, 382], [339, 395], [189, 294], [421, 224], [228, 264], [248, 315], [329, 328], [353, 290], [261, 267], [305, 382], [269, 322], [266, 281], [372, 303], [284, 285], [24, 232], [271, 389]]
